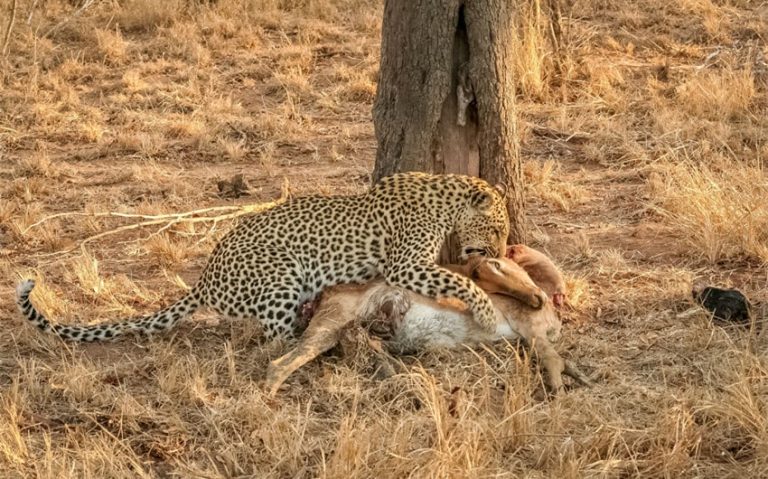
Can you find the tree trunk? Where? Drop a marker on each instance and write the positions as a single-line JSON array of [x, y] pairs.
[[446, 95]]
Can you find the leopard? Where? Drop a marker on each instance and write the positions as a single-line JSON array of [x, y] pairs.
[[274, 261]]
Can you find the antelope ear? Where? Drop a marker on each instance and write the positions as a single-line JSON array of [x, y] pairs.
[[502, 189], [473, 265]]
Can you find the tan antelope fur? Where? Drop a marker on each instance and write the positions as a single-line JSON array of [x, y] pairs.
[[419, 323], [542, 270]]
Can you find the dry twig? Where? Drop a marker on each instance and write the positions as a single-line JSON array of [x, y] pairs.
[[167, 220], [31, 12], [575, 137], [116, 214]]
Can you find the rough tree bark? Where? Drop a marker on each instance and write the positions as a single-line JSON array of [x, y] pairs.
[[446, 94]]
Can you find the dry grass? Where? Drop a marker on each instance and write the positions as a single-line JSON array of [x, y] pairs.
[[542, 181], [645, 162], [534, 63], [716, 95], [720, 212]]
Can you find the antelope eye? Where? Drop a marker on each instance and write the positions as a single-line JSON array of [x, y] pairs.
[[495, 264]]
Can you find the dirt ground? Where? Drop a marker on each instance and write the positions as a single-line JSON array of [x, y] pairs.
[[644, 140]]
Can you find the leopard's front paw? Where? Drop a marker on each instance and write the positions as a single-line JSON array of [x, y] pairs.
[[485, 316]]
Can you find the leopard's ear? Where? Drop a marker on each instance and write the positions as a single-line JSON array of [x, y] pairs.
[[484, 195], [481, 199], [502, 189]]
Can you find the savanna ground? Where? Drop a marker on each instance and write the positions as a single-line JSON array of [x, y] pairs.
[[644, 138]]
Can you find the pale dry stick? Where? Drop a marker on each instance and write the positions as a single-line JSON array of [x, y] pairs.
[[248, 209], [210, 233], [141, 225], [285, 194], [177, 221], [31, 12], [9, 29], [114, 214]]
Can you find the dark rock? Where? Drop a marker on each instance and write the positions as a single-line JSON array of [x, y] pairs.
[[723, 304]]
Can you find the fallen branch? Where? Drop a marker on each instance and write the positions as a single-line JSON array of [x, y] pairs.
[[167, 220], [239, 209], [551, 133], [31, 12], [143, 224], [115, 214]]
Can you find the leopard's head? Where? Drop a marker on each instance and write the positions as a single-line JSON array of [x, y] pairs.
[[483, 225]]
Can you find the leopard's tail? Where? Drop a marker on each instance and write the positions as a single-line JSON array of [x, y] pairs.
[[162, 320]]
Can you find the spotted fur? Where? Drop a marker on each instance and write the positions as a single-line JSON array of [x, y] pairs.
[[274, 261]]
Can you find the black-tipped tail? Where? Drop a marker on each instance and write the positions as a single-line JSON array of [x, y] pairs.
[[163, 320]]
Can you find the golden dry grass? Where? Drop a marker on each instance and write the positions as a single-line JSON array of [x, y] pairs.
[[645, 142]]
